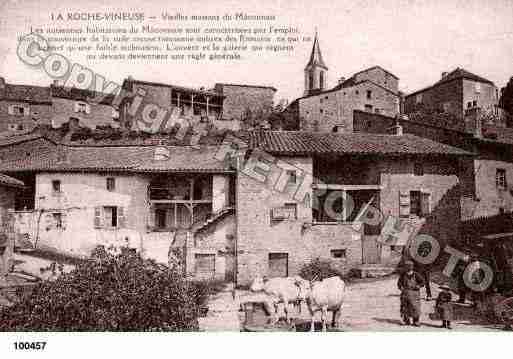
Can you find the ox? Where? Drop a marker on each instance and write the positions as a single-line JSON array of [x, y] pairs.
[[281, 290], [328, 294]]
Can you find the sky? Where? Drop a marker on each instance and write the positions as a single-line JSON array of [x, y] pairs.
[[414, 39]]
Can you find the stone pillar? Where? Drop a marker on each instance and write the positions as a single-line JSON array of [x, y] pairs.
[[220, 192]]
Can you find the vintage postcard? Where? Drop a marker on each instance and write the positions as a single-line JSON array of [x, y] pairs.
[[256, 166]]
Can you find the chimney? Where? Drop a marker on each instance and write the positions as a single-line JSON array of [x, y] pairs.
[[341, 80], [444, 74]]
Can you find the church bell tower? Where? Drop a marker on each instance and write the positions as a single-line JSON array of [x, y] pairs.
[[315, 71]]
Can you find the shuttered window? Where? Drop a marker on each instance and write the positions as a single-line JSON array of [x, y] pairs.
[[109, 217]]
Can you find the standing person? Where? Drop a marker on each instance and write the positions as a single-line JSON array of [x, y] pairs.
[[409, 284], [443, 306]]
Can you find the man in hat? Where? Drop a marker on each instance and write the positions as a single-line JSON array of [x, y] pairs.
[[409, 284]]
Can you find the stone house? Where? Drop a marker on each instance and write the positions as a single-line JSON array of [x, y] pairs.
[[89, 108], [290, 209], [331, 110], [281, 203], [22, 107], [224, 106], [485, 179], [241, 98], [456, 92]]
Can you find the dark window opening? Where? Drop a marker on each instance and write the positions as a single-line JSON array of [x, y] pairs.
[[500, 178], [57, 217], [338, 253], [418, 169], [369, 94], [111, 184], [56, 186], [292, 208], [111, 216], [368, 108], [161, 218]]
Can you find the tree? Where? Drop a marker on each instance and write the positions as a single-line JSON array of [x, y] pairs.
[[109, 292], [506, 99]]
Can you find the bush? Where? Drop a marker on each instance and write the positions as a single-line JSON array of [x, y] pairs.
[[319, 270], [108, 293]]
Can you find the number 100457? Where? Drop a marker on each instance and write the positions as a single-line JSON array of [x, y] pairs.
[[29, 345]]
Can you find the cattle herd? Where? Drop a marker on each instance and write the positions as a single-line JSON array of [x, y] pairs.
[[319, 295]]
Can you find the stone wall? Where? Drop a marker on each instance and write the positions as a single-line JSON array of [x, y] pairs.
[[37, 113], [258, 235], [63, 109], [238, 98], [335, 108]]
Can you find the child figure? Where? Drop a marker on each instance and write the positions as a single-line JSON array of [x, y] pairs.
[[444, 307]]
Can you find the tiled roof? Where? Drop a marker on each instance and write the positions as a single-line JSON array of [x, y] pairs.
[[129, 81], [116, 158], [462, 73], [459, 73], [81, 95], [10, 140], [26, 93], [304, 143], [9, 181], [41, 154]]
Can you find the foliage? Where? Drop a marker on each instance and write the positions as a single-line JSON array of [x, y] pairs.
[[506, 100], [319, 269], [109, 292]]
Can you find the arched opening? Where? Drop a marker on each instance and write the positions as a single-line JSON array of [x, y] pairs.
[[321, 80]]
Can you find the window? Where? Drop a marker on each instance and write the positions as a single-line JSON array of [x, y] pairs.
[[369, 94], [292, 177], [110, 214], [368, 108], [56, 186], [356, 92], [310, 81], [338, 253], [278, 265], [419, 203], [469, 104], [321, 110], [418, 98], [57, 217], [82, 107], [474, 103], [109, 217], [418, 169], [377, 110], [111, 184], [326, 97], [292, 209], [321, 80], [161, 218], [477, 87], [500, 179], [12, 127], [446, 106], [18, 110]]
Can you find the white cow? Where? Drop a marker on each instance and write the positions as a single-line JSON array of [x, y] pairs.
[[281, 290], [328, 294]]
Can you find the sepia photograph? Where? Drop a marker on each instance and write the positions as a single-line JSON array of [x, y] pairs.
[[336, 167]]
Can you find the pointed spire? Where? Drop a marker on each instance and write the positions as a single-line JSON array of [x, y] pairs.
[[315, 56]]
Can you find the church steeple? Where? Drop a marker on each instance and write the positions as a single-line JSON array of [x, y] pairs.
[[315, 70]]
